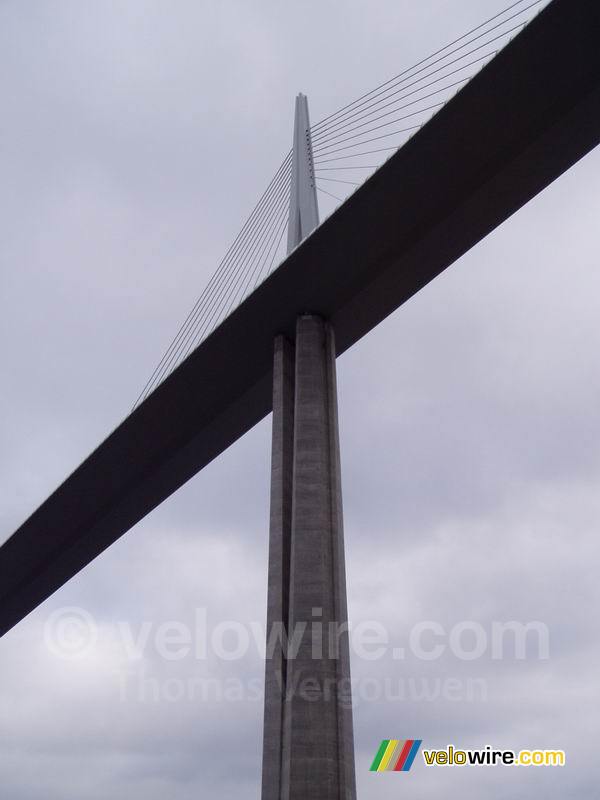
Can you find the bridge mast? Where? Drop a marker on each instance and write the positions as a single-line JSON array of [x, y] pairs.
[[308, 748], [304, 209]]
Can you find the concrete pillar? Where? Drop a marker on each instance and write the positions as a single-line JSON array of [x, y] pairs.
[[280, 533], [314, 756]]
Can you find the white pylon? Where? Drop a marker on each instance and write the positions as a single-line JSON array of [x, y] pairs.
[[304, 210]]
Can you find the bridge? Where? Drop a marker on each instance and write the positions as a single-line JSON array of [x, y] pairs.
[[519, 123]]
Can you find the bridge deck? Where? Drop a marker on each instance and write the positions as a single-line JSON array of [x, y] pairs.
[[522, 121]]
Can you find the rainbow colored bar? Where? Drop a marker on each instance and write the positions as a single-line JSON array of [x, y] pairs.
[[396, 755]]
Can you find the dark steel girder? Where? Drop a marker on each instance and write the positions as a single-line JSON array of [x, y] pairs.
[[521, 122]]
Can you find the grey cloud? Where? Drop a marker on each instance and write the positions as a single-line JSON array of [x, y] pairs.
[[136, 138]]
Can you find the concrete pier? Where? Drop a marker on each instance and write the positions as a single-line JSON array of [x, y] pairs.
[[308, 740], [280, 535]]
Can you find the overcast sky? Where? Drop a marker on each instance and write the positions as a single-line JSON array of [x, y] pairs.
[[136, 136]]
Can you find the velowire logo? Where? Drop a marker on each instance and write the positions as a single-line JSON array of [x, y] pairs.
[[395, 755]]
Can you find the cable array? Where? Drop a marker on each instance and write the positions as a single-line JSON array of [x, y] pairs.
[[247, 262], [394, 110], [380, 120]]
